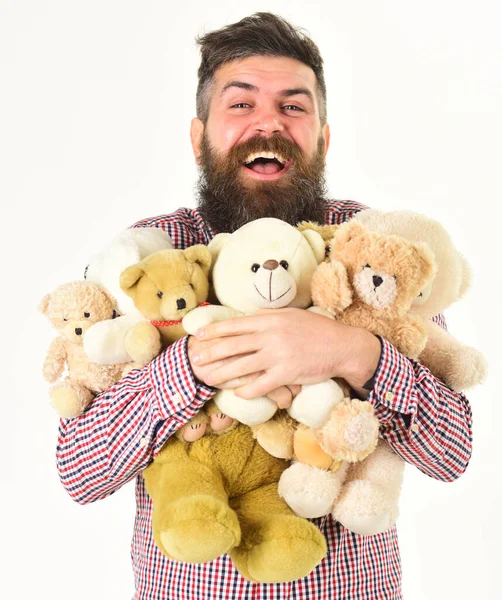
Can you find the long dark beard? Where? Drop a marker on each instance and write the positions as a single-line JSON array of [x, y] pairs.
[[226, 203]]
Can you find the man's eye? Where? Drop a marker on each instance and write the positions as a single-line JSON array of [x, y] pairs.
[[293, 107], [240, 105]]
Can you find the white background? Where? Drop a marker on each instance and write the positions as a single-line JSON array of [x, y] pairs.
[[95, 104]]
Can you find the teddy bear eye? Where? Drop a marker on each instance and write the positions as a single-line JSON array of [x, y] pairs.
[[65, 319], [160, 294], [87, 315], [366, 266], [255, 267], [284, 264], [192, 286]]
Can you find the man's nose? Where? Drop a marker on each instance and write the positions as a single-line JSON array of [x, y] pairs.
[[268, 122]]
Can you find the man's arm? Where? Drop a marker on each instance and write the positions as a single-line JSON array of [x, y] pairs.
[[424, 421], [125, 427]]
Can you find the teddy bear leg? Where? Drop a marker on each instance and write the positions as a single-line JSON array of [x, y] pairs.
[[70, 399], [143, 343], [310, 491], [351, 432], [368, 502], [276, 436], [276, 545], [313, 405], [192, 521]]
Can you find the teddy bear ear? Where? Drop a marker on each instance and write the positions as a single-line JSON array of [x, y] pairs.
[[43, 307], [465, 282], [109, 296], [129, 278], [317, 244], [427, 262], [199, 254], [216, 244], [325, 231], [345, 233]]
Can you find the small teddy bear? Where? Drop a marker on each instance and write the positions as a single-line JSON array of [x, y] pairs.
[[72, 308], [371, 280], [459, 366], [164, 287]]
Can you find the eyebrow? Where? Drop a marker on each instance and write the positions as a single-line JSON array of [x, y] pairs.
[[249, 87]]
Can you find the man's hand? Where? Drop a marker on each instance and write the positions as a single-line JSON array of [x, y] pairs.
[[283, 395], [278, 347]]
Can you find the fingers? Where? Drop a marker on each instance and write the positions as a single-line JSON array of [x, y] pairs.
[[282, 396], [236, 326], [240, 367], [224, 348]]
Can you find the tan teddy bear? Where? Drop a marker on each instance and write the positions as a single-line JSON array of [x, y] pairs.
[[369, 281], [72, 308], [164, 287], [459, 366]]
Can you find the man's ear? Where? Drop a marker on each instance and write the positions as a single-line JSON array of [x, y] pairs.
[[327, 137], [196, 133]]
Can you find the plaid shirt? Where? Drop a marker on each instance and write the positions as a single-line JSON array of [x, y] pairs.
[[426, 423]]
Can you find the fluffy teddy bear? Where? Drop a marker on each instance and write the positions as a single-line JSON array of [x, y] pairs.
[[106, 342], [269, 264], [164, 287], [458, 365], [72, 308], [214, 491], [265, 264], [369, 281]]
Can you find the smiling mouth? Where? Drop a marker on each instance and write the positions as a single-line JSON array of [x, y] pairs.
[[266, 163]]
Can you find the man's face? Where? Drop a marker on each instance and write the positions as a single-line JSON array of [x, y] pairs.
[[262, 151]]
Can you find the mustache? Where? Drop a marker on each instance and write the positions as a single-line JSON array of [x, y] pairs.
[[276, 144]]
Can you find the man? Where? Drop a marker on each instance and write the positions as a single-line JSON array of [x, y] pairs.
[[260, 138]]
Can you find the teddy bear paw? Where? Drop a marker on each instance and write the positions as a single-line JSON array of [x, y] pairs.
[[197, 529], [364, 508], [143, 343], [282, 548], [351, 432], [310, 492], [69, 400]]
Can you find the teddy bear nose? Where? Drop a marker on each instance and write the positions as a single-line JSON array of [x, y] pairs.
[[270, 265], [78, 330], [377, 280], [181, 303]]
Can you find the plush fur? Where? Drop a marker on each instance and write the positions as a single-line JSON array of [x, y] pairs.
[[164, 287], [371, 281], [459, 366], [105, 342], [72, 308], [216, 493]]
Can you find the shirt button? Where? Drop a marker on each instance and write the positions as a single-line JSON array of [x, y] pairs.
[[177, 397], [143, 441], [389, 396], [414, 427]]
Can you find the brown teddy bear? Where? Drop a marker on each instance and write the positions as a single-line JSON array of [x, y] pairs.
[[164, 287], [371, 280], [72, 308]]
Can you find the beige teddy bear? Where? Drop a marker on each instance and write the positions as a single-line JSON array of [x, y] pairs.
[[72, 308], [164, 287], [459, 366]]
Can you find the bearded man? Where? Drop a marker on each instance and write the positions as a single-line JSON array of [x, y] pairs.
[[260, 139]]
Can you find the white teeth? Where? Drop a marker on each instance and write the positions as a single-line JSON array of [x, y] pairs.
[[270, 155]]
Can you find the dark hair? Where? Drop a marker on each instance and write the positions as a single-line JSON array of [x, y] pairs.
[[261, 34]]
